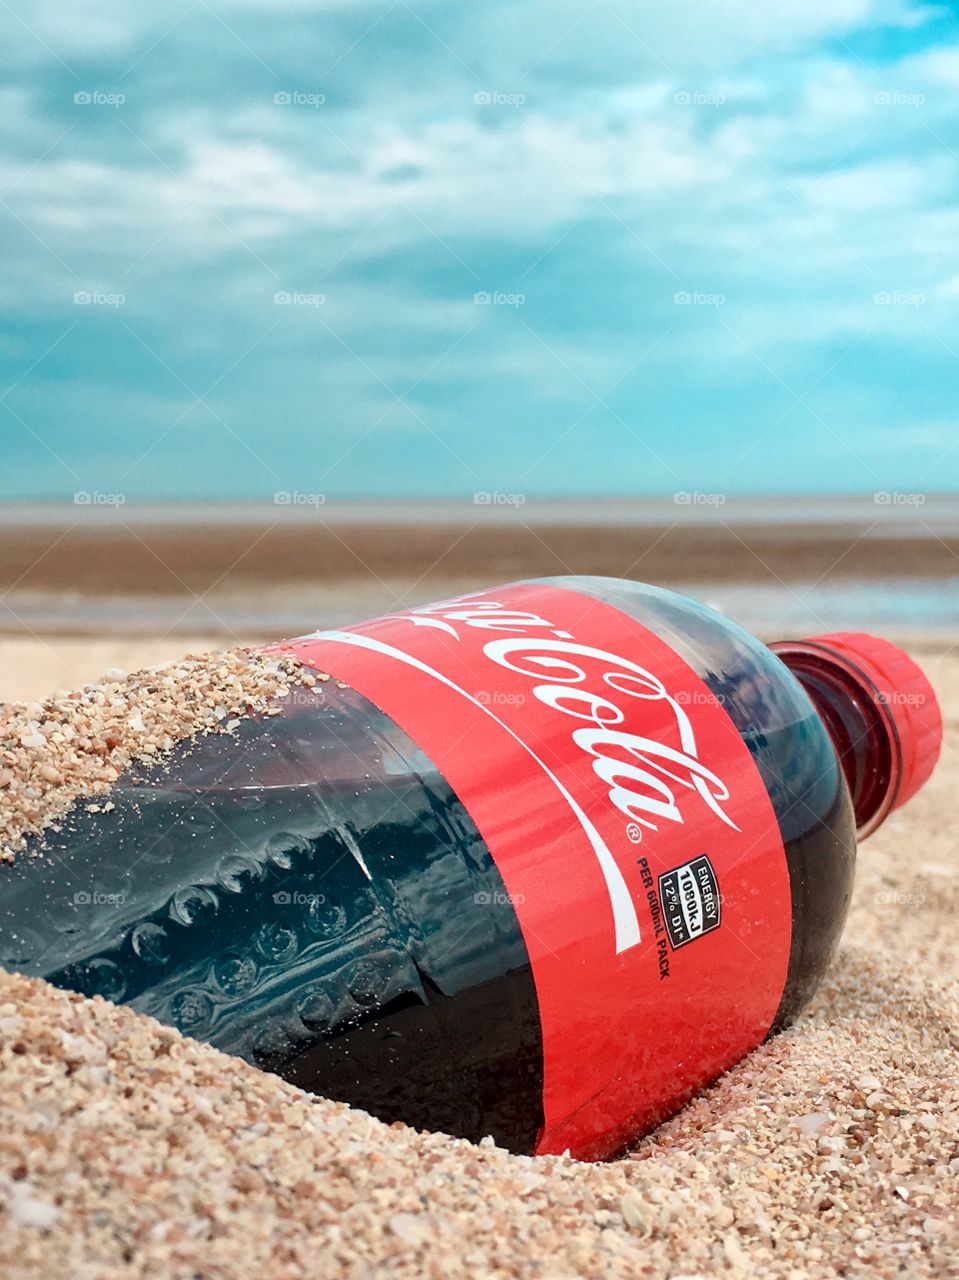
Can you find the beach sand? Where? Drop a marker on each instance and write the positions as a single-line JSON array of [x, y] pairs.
[[203, 559], [126, 1150], [34, 667]]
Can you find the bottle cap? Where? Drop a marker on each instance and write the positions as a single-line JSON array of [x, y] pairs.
[[903, 696]]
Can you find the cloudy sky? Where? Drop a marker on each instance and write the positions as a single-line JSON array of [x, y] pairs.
[[366, 248]]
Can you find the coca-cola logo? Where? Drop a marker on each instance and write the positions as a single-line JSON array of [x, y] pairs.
[[648, 779], [641, 772]]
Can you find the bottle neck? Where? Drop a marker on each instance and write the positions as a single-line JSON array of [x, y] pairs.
[[862, 732]]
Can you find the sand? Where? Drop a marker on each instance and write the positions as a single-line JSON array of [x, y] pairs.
[[73, 746], [251, 573], [192, 558], [32, 668], [126, 1150]]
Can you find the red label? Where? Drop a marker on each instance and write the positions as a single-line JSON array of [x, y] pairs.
[[631, 829]]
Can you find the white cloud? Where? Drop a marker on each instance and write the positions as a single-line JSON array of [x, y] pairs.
[[884, 185], [536, 174], [44, 31]]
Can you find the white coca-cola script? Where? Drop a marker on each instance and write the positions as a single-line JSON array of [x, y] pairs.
[[647, 778]]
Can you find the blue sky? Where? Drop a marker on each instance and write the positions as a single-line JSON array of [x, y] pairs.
[[247, 247]]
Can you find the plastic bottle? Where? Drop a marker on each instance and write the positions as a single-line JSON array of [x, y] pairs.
[[539, 862]]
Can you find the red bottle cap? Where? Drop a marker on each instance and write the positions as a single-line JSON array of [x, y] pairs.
[[901, 693]]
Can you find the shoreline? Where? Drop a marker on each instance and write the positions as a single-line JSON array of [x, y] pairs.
[[267, 581], [120, 559], [893, 509]]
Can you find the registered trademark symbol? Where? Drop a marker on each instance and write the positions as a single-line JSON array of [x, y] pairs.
[[634, 832]]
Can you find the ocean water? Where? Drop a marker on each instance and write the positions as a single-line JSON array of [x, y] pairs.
[[873, 515], [894, 606]]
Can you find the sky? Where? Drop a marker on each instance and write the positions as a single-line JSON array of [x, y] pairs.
[[426, 249]]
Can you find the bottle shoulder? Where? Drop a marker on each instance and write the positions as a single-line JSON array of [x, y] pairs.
[[791, 749], [756, 689]]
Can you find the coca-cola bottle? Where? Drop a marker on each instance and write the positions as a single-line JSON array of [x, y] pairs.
[[538, 862]]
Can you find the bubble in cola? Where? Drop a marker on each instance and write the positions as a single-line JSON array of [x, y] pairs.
[[539, 862]]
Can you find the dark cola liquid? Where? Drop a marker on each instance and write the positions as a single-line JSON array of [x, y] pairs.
[[310, 895]]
